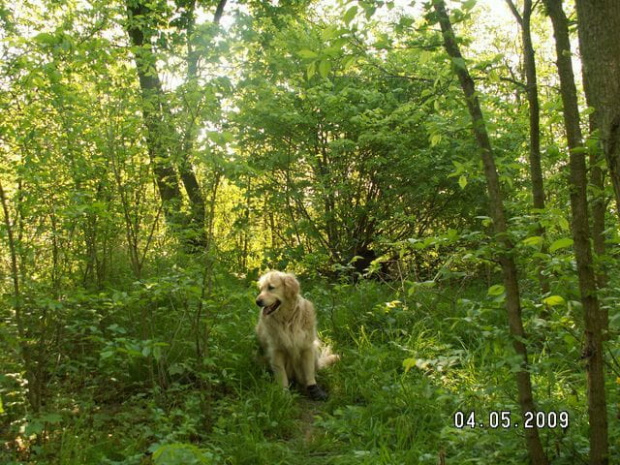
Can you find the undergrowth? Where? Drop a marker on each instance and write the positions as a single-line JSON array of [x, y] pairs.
[[137, 381]]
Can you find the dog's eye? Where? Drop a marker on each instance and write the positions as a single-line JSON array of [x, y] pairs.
[[270, 287]]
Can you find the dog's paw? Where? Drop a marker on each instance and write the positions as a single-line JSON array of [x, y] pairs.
[[316, 393]]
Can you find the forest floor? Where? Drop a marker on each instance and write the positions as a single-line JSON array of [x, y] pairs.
[[409, 363]]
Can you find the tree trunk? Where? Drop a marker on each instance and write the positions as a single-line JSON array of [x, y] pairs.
[[32, 365], [599, 207], [509, 269], [599, 41], [599, 200], [593, 352], [188, 141], [536, 175], [158, 132], [162, 136]]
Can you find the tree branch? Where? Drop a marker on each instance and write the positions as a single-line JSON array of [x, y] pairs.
[[515, 12], [219, 11]]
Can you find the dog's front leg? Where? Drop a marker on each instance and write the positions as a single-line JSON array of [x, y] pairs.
[[279, 368]]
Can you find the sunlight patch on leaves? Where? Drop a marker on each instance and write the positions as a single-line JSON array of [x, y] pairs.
[[554, 300], [496, 290]]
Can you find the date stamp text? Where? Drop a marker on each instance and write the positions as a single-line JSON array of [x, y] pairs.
[[504, 420]]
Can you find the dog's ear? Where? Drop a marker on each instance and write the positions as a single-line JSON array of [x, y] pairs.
[[291, 286]]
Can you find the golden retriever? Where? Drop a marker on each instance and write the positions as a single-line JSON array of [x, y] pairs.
[[286, 331]]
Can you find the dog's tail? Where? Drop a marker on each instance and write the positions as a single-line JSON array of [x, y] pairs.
[[326, 356]]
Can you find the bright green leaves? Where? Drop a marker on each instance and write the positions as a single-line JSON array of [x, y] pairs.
[[350, 15], [469, 4], [462, 170], [319, 62], [533, 241], [538, 241], [321, 65], [560, 244], [435, 138], [409, 363], [496, 290], [45, 38], [308, 54], [332, 52], [554, 300], [361, 150], [221, 138], [324, 68], [322, 60]]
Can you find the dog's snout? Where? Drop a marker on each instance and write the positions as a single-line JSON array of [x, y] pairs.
[[259, 302]]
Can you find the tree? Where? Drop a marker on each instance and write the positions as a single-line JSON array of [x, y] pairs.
[[531, 85], [603, 100], [599, 41], [593, 351], [163, 139], [345, 159], [505, 255]]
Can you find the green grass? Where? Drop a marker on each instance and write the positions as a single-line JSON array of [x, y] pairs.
[[409, 362]]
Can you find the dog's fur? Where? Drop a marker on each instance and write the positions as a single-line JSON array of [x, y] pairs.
[[286, 331]]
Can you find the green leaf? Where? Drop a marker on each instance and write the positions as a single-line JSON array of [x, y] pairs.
[[369, 10], [311, 70], [34, 427], [486, 220], [324, 68], [561, 244], [45, 38], [463, 181], [350, 15], [496, 290], [308, 54], [176, 369], [409, 363], [107, 353], [554, 300], [459, 168], [533, 241], [329, 33], [348, 62], [469, 4], [420, 285]]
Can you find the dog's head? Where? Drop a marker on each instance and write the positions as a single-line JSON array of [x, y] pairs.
[[276, 288]]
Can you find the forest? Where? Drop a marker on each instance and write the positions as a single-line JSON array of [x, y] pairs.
[[442, 176]]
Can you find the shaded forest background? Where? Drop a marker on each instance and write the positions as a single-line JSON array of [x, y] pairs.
[[438, 176]]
